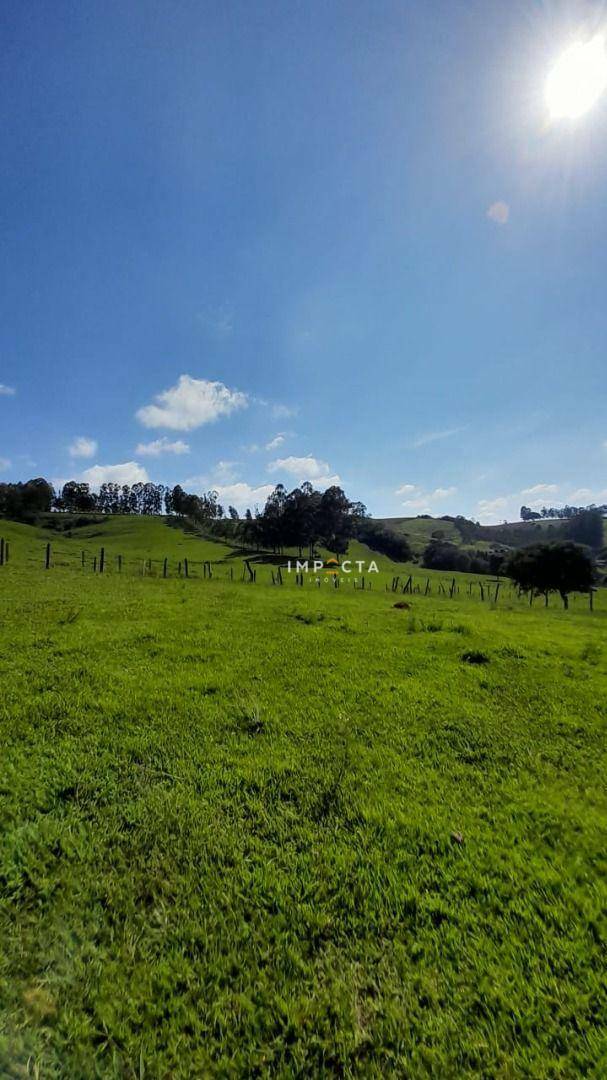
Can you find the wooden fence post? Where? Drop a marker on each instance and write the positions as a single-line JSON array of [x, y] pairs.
[[47, 557], [82, 557], [185, 567], [1, 551], [120, 564], [6, 552], [101, 560], [164, 567]]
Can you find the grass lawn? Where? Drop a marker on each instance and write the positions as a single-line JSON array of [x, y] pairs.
[[252, 831]]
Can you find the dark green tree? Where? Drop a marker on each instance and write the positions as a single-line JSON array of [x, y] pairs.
[[562, 567], [586, 528]]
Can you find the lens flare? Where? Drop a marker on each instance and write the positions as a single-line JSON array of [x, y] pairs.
[[577, 80]]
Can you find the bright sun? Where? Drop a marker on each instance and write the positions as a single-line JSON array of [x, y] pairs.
[[577, 79]]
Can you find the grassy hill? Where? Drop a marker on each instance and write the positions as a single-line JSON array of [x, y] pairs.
[[138, 545], [512, 534], [419, 530], [265, 831]]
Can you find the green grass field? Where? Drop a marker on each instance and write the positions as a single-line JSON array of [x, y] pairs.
[[259, 831]]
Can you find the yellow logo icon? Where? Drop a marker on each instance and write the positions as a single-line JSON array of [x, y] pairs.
[[331, 566]]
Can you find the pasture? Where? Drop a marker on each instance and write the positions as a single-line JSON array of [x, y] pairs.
[[261, 831]]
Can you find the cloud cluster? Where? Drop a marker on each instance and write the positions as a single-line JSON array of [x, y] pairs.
[[231, 491], [82, 447], [423, 502], [190, 404], [540, 489], [244, 496], [162, 446], [7, 391], [4, 464], [587, 495], [489, 509], [129, 472], [305, 468], [277, 441]]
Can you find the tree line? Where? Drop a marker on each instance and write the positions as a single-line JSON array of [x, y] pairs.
[[302, 518], [26, 501], [565, 512]]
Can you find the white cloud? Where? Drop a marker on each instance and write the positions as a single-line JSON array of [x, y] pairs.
[[243, 496], [162, 446], [284, 412], [305, 468], [587, 495], [424, 501], [191, 403], [225, 472], [434, 436], [277, 441], [239, 494], [129, 472], [541, 489], [4, 464], [489, 510], [7, 391], [82, 447], [499, 212]]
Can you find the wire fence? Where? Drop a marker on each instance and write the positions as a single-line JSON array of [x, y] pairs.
[[100, 561]]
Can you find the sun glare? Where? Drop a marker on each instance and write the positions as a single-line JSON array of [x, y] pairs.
[[578, 79]]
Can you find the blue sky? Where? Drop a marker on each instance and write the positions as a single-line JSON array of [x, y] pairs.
[[245, 243]]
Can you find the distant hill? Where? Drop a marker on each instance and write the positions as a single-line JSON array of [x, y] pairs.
[[420, 530]]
